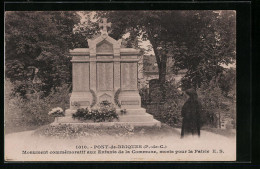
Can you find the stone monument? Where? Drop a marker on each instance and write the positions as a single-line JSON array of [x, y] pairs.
[[104, 71]]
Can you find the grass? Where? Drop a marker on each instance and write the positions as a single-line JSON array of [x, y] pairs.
[[15, 129]]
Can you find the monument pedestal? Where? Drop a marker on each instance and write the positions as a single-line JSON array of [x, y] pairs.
[[84, 99], [133, 117]]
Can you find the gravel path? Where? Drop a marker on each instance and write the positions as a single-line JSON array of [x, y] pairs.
[[166, 146]]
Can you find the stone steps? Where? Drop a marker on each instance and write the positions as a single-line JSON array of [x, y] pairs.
[[154, 123], [139, 111], [122, 118], [67, 119], [69, 112], [136, 117]]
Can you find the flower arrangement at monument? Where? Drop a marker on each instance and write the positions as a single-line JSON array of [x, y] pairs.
[[76, 104], [56, 112], [105, 111], [123, 111]]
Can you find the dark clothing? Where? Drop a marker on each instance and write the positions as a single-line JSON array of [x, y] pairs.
[[191, 113]]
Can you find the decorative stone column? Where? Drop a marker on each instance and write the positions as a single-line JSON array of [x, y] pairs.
[[93, 65]]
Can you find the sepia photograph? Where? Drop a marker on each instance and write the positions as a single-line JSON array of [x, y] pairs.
[[120, 85]]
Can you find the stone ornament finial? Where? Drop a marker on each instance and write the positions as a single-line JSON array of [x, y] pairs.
[[104, 26]]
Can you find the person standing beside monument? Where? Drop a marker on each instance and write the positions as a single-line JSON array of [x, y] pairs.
[[191, 113]]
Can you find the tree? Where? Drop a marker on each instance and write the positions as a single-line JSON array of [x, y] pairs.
[[214, 45], [39, 41], [198, 41], [147, 25]]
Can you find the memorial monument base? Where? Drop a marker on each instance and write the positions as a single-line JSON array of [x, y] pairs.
[[133, 117]]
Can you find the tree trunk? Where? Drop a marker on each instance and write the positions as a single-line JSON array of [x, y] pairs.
[[161, 62], [162, 69], [162, 76]]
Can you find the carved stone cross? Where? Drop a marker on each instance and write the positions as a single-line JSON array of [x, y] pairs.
[[105, 24]]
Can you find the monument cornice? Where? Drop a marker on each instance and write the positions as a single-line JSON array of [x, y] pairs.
[[85, 52], [79, 52], [106, 60]]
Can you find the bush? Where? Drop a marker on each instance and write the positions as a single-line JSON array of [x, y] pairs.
[[216, 106], [81, 114], [170, 111], [60, 96], [227, 82], [105, 112], [169, 117], [14, 117], [33, 110]]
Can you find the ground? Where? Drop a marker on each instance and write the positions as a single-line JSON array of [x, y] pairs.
[[165, 144]]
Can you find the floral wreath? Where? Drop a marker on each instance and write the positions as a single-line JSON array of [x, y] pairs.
[[94, 98], [116, 97]]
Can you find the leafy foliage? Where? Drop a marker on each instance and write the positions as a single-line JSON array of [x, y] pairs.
[[227, 83], [60, 96], [33, 111], [211, 44], [144, 93], [199, 41], [170, 111], [216, 106], [38, 41]]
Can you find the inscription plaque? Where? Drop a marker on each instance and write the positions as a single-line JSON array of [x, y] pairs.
[[80, 76], [129, 102], [105, 76], [129, 76]]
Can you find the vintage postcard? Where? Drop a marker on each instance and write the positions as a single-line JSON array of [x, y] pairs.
[[120, 85]]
